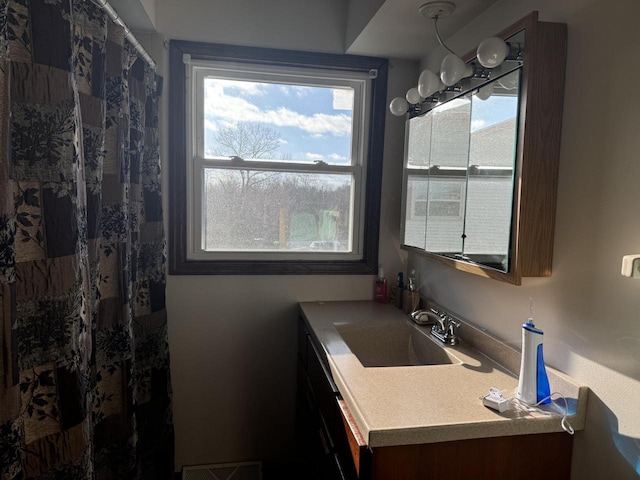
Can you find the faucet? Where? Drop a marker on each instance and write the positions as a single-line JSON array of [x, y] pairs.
[[446, 330], [444, 326]]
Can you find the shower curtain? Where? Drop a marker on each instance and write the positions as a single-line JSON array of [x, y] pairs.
[[84, 366]]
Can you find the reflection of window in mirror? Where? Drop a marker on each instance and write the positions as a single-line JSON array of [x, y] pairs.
[[415, 222], [418, 146], [446, 200], [445, 222], [492, 155], [450, 133]]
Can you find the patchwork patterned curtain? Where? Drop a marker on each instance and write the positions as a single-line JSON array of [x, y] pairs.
[[84, 364]]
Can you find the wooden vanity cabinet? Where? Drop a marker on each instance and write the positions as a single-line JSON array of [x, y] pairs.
[[522, 457], [332, 448], [329, 444]]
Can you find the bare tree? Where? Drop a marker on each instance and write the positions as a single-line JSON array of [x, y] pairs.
[[251, 141], [247, 140]]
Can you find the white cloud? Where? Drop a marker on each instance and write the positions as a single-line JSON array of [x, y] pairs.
[[477, 125], [313, 156], [336, 157], [318, 123], [220, 106], [209, 125]]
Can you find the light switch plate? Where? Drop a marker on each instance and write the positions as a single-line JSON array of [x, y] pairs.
[[631, 266]]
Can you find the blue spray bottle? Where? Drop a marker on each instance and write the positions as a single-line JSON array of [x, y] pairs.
[[533, 385]]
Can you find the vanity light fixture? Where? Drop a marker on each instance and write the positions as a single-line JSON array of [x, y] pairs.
[[491, 53]]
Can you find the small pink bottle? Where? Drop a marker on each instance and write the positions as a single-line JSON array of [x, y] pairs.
[[381, 291]]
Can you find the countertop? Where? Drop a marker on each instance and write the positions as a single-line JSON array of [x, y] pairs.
[[404, 405]]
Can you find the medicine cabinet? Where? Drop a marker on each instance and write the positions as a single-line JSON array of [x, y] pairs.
[[481, 162]]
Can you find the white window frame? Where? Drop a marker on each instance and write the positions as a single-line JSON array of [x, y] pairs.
[[359, 82]]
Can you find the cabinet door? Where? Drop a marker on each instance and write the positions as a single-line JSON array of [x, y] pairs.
[[436, 158], [316, 413], [324, 389], [491, 173], [525, 457]]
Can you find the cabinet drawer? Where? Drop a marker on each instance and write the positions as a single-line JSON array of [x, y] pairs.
[[324, 390], [351, 444]]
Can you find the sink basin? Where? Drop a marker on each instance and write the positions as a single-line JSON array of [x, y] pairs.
[[394, 344]]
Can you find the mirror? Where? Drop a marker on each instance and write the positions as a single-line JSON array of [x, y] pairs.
[[460, 159], [490, 175], [437, 152]]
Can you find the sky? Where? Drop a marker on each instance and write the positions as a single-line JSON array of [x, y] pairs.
[[314, 123]]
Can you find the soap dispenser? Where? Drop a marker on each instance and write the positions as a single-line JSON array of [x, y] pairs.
[[380, 287]]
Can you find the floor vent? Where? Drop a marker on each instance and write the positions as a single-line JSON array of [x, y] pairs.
[[224, 471]]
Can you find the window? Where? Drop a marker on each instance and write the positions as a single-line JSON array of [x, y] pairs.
[[275, 160]]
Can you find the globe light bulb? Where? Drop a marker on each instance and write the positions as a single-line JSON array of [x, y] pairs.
[[468, 71], [399, 106], [428, 83], [412, 96], [485, 92], [452, 69], [492, 52], [509, 82]]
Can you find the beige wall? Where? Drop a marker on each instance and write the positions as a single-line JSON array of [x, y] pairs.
[[232, 338], [292, 24], [360, 12], [589, 312], [150, 7]]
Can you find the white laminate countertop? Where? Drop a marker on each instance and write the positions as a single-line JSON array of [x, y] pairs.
[[432, 403]]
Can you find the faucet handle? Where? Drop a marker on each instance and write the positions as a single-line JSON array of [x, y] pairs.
[[452, 325]]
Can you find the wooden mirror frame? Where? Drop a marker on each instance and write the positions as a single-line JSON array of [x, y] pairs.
[[537, 155]]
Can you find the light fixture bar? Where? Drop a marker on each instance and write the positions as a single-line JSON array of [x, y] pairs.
[[457, 77]]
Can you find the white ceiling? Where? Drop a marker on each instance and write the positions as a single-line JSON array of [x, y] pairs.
[[399, 30], [396, 30], [134, 14]]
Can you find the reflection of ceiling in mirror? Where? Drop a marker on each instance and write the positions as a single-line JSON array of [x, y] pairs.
[[455, 103]]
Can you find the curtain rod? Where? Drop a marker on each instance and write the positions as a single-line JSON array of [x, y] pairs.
[[104, 4]]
